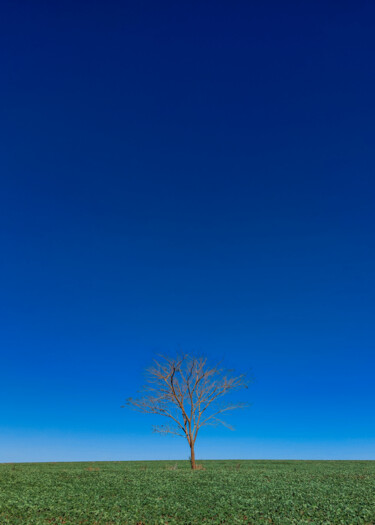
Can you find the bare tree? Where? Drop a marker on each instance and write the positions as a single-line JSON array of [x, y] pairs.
[[188, 392]]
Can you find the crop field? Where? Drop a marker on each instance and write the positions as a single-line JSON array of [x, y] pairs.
[[222, 492]]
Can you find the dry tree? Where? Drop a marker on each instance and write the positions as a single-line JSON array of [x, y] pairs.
[[188, 392]]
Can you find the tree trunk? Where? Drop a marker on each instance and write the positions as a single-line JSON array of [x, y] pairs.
[[192, 456]]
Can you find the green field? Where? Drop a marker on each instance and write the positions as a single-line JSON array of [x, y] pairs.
[[230, 492]]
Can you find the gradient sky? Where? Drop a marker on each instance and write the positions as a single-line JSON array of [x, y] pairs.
[[187, 176]]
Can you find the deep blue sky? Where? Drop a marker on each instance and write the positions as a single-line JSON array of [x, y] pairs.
[[195, 176]]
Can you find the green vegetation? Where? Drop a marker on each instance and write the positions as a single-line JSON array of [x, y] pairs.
[[226, 492]]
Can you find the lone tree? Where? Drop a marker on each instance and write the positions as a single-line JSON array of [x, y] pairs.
[[188, 392]]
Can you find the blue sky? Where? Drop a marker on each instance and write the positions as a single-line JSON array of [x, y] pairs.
[[195, 177]]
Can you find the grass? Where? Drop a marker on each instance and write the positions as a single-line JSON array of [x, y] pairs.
[[222, 492]]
